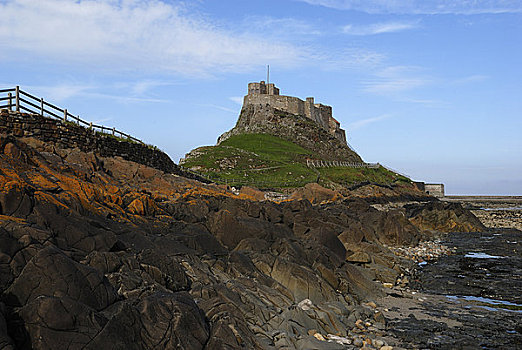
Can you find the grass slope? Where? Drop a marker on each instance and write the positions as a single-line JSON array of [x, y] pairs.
[[267, 161]]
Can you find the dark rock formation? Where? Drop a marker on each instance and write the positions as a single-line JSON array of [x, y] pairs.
[[443, 217], [102, 253]]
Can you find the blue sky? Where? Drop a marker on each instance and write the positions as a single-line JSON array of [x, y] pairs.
[[430, 88]]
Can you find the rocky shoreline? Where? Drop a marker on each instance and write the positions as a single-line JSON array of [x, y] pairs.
[[468, 296], [494, 212], [105, 253]]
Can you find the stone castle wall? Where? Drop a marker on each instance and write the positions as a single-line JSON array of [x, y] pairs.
[[288, 104], [69, 135], [268, 95]]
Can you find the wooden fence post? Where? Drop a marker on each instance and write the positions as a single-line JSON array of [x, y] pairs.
[[17, 97], [65, 115], [42, 106], [10, 97]]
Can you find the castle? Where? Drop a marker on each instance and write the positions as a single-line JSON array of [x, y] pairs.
[[268, 94]]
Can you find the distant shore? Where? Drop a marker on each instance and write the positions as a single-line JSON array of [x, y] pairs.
[[504, 199], [493, 211]]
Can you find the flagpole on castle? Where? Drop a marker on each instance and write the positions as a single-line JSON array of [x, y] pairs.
[[267, 74]]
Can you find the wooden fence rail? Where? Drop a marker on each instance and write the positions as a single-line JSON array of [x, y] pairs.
[[22, 101], [334, 163]]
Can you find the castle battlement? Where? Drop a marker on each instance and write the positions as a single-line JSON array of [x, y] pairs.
[[268, 94]]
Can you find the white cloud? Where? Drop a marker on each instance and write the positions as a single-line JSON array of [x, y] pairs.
[[396, 79], [471, 79], [221, 108], [281, 27], [389, 86], [352, 58], [61, 92], [378, 28], [464, 7], [237, 99], [142, 86], [363, 122], [130, 35]]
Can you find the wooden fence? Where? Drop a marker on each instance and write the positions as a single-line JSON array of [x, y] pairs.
[[334, 163], [22, 101]]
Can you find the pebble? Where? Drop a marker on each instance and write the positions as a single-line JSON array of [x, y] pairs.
[[371, 304], [338, 339], [319, 336], [425, 251], [358, 342], [305, 304], [386, 347], [378, 343], [359, 324]]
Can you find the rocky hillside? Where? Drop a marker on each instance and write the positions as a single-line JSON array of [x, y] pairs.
[[256, 119], [99, 253]]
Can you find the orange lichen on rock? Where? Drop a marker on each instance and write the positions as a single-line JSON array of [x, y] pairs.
[[316, 194]]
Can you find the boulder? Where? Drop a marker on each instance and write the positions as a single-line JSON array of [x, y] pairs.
[[230, 230], [443, 217], [5, 341], [59, 323], [328, 238], [161, 320], [315, 194], [253, 193], [52, 273], [355, 281]]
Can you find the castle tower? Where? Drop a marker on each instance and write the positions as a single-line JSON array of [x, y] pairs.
[[262, 88]]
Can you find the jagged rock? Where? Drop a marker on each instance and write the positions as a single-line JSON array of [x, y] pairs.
[[443, 217], [301, 281], [315, 193], [359, 257], [356, 282], [5, 341], [15, 199], [161, 320], [52, 273], [230, 230], [253, 193], [59, 323], [103, 253], [328, 238]]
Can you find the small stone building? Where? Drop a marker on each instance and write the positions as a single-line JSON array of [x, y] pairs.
[[435, 190]]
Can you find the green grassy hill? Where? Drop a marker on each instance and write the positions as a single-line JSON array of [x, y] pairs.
[[267, 161]]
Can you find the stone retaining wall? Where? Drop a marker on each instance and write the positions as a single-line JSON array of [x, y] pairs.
[[69, 135]]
